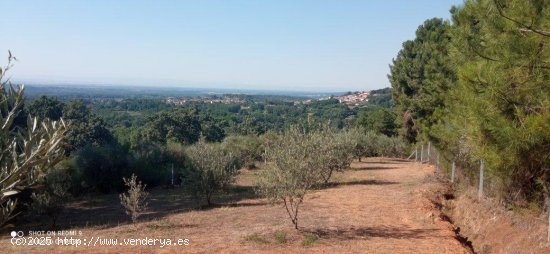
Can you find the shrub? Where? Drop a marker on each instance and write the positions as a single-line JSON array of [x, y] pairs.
[[246, 148], [50, 198], [102, 168], [310, 239], [369, 144], [334, 152], [290, 172], [255, 237], [280, 237], [212, 169], [152, 163], [133, 200]]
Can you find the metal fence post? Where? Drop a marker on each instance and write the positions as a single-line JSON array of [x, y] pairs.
[[416, 153], [453, 172], [422, 154], [481, 169], [172, 178], [429, 148], [437, 162]]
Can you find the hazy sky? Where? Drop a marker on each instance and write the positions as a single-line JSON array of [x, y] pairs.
[[314, 45]]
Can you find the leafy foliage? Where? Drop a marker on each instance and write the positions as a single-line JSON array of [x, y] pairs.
[[291, 171], [86, 127], [420, 76], [178, 126], [212, 169], [334, 152], [479, 90], [380, 120], [26, 154], [52, 196], [246, 148], [46, 107]]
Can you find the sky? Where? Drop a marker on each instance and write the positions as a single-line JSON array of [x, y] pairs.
[[317, 45]]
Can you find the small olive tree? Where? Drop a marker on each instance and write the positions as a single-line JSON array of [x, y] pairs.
[[291, 171], [334, 152], [245, 148], [134, 200], [212, 169]]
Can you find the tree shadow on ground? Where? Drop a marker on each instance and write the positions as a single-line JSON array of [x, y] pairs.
[[383, 160], [105, 211], [356, 182], [373, 168], [365, 232]]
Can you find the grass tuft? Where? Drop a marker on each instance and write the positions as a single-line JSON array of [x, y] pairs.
[[310, 239], [280, 237], [255, 237]]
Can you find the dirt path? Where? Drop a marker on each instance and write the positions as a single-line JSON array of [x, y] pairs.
[[377, 207]]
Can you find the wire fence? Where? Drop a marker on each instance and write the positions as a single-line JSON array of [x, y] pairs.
[[461, 173], [458, 172]]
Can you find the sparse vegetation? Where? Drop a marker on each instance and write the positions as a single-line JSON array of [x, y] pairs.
[[212, 169], [255, 237], [310, 239], [53, 192], [280, 237], [134, 200]]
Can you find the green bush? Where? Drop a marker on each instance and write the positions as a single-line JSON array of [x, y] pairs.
[[310, 239], [212, 169], [291, 171], [51, 195], [246, 149], [280, 237]]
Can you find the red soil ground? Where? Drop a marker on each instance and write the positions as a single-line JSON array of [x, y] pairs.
[[381, 205]]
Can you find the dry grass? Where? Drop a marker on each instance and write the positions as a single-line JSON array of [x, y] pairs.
[[376, 207]]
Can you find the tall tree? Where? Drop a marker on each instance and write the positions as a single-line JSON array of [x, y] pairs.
[[86, 127], [420, 75], [501, 109], [179, 125], [46, 107], [380, 120]]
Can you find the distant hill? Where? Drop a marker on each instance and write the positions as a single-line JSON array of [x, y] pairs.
[[381, 97]]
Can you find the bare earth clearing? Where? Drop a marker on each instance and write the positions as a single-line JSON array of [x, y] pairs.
[[380, 206]]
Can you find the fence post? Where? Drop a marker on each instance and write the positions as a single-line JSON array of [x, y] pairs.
[[453, 172], [172, 178], [422, 153], [437, 163], [429, 148], [481, 169], [416, 153]]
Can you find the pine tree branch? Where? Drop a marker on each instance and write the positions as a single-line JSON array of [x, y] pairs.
[[525, 28]]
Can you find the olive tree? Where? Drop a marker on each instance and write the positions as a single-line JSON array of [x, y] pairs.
[[26, 154], [212, 169], [291, 171], [334, 152]]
